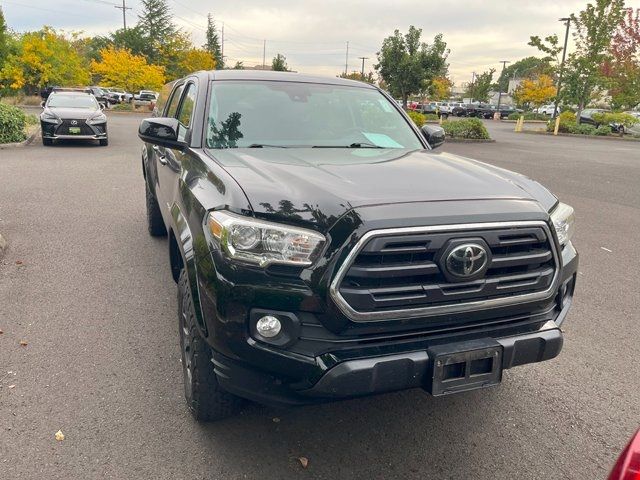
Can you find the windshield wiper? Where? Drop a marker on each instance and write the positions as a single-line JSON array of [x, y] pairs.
[[263, 145], [353, 145]]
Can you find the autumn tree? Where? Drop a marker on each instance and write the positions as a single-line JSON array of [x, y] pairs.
[[45, 57], [121, 68], [212, 44], [172, 52], [481, 86], [368, 77], [279, 63], [440, 88], [407, 65], [528, 67], [593, 29], [535, 92], [196, 59], [622, 69]]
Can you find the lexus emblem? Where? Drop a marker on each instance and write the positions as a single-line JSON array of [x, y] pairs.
[[74, 122], [466, 260]]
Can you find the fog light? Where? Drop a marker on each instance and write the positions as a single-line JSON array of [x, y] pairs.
[[268, 326]]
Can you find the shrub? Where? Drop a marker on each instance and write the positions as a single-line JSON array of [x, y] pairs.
[[603, 130], [128, 107], [418, 118], [471, 128], [31, 119], [567, 122], [527, 116], [12, 124], [618, 118], [430, 117], [582, 129]]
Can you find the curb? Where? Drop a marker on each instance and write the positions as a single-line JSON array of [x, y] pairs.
[[30, 138], [468, 140], [3, 245], [526, 121], [611, 138]]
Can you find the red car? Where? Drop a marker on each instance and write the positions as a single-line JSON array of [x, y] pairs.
[[628, 465]]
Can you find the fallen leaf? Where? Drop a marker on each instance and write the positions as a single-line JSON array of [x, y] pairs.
[[304, 461], [59, 436], [12, 386], [23, 343], [1, 332], [18, 262]]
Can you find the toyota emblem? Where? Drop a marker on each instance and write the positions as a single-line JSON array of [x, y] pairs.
[[466, 260]]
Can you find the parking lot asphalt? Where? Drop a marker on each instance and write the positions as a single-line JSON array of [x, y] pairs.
[[90, 293]]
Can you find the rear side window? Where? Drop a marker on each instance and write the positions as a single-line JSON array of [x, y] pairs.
[[188, 103], [172, 106]]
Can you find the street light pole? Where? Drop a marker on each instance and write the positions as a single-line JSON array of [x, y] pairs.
[[472, 90], [504, 64], [567, 22]]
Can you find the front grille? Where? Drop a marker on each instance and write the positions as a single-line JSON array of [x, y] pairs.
[[403, 270], [63, 128]]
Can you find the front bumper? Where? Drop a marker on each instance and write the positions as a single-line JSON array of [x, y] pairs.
[[374, 375], [88, 132]]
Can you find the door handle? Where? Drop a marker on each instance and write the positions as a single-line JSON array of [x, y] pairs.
[[162, 158]]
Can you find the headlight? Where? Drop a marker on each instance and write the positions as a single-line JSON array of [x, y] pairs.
[[101, 118], [264, 243], [49, 118], [564, 222]]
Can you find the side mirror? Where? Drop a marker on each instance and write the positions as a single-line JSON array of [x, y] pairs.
[[161, 131], [433, 134]]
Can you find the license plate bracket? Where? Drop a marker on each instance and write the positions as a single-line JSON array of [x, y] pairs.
[[463, 366]]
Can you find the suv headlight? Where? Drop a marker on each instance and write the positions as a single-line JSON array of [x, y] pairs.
[[100, 118], [264, 243], [564, 222], [49, 118]]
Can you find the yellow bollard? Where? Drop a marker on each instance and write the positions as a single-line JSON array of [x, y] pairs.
[[440, 120], [557, 127]]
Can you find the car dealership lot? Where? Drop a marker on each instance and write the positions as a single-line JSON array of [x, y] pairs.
[[93, 298]]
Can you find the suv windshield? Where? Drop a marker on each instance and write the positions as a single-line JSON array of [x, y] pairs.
[[72, 101], [296, 114]]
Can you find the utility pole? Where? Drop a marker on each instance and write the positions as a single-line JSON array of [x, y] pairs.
[[472, 90], [567, 22], [264, 54], [222, 44], [346, 62], [124, 9], [363, 59], [504, 64]]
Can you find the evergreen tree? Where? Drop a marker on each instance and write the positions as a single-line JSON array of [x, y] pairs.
[[279, 63], [213, 43], [156, 26], [4, 39]]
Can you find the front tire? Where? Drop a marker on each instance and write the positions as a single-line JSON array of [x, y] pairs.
[[104, 142], [206, 400], [155, 224], [47, 142]]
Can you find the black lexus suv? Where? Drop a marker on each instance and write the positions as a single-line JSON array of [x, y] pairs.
[[323, 250], [72, 115]]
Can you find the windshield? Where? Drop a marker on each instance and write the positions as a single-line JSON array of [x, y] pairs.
[[295, 114], [73, 101]]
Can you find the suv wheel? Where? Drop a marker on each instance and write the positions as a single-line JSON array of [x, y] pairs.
[[47, 142], [207, 401], [155, 224], [104, 142]]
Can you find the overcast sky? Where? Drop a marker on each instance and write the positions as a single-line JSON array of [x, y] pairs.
[[312, 34]]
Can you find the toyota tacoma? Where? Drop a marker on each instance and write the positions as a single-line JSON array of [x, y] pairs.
[[323, 250]]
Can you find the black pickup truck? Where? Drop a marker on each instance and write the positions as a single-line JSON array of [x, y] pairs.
[[322, 248]]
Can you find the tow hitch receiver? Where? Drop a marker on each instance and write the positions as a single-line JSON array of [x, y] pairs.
[[458, 367]]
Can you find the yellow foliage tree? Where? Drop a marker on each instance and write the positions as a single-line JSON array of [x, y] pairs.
[[120, 68], [536, 92], [43, 58], [196, 59], [440, 88]]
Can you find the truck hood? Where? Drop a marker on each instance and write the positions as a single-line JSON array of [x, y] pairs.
[[73, 113], [320, 185]]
